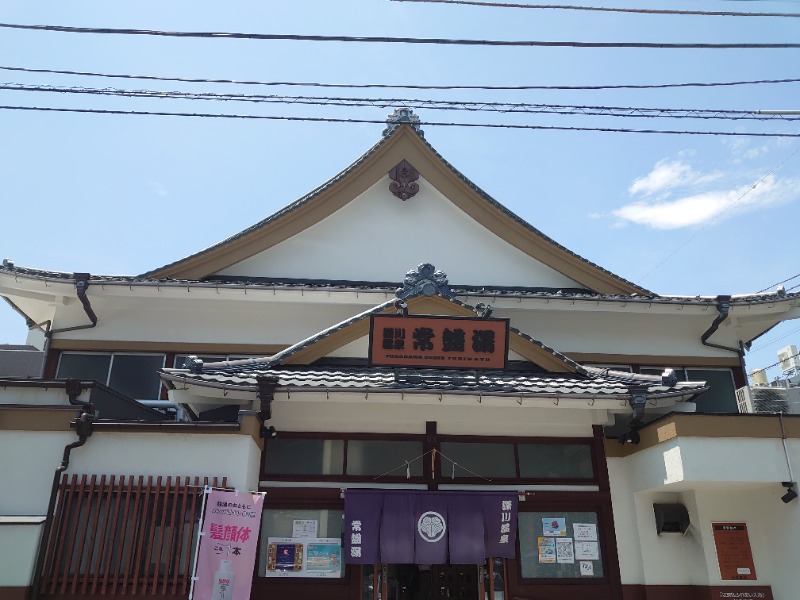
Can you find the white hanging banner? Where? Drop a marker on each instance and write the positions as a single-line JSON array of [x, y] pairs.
[[226, 551]]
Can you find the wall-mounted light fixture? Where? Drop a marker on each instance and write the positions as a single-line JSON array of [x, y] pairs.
[[791, 493], [631, 437]]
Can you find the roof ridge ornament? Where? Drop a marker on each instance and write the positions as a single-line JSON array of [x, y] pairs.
[[400, 116], [425, 281]]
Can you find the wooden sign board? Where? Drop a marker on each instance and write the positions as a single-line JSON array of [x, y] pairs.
[[440, 342], [733, 552]]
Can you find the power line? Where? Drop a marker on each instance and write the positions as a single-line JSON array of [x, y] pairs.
[[461, 105], [648, 11], [717, 216], [769, 287], [383, 122], [400, 40], [775, 341], [409, 86], [777, 363]]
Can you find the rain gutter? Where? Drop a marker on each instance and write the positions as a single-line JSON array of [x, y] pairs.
[[723, 306], [81, 285], [83, 428]]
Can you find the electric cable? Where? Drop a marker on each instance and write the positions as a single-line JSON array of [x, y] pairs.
[[647, 11], [769, 287], [775, 341], [460, 105], [409, 86], [717, 216], [383, 122], [293, 37]]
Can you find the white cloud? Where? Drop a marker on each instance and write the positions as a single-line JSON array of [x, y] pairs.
[[668, 175], [701, 208], [157, 188]]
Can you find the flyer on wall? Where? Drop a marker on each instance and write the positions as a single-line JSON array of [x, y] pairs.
[[304, 557], [554, 526], [547, 550]]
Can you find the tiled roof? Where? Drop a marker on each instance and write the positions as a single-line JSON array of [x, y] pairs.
[[499, 292], [600, 384]]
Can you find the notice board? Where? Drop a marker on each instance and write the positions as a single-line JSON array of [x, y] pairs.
[[733, 552]]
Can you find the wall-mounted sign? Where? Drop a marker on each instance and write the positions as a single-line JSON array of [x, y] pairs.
[[442, 342], [733, 552], [304, 557]]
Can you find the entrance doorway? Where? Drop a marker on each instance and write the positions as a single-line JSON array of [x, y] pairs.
[[434, 582], [455, 581]]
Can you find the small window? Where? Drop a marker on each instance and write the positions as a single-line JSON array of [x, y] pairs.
[[721, 397], [555, 461], [84, 366], [384, 457], [559, 545], [304, 457], [477, 459], [134, 375]]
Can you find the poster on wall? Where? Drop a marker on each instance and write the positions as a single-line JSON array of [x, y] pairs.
[[554, 526], [587, 551], [733, 552], [304, 557], [547, 551], [304, 528], [226, 550], [585, 532], [564, 551]]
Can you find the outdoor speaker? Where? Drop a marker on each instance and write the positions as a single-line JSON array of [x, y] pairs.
[[671, 518]]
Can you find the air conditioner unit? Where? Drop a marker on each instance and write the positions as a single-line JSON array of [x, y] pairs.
[[789, 360], [768, 399]]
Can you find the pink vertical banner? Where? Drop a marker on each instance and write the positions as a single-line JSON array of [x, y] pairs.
[[226, 554]]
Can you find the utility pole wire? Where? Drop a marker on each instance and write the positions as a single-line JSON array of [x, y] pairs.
[[717, 216], [410, 86], [383, 122], [769, 287], [399, 40], [465, 105], [646, 11]]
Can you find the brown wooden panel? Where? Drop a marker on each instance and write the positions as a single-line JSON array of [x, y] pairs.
[[117, 535]]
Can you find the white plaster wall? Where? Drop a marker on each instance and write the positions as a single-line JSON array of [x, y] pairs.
[[374, 415], [773, 528], [694, 462], [35, 396], [718, 480], [626, 523], [378, 237], [18, 545], [29, 460], [258, 318], [669, 558], [185, 454], [659, 334]]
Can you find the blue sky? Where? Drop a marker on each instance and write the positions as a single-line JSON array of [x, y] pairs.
[[125, 194]]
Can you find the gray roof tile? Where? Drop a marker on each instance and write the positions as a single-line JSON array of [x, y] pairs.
[[599, 383]]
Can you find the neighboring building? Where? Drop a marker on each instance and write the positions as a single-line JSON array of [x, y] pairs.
[[20, 361], [306, 360]]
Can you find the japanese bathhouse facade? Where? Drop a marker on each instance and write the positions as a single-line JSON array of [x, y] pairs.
[[408, 369]]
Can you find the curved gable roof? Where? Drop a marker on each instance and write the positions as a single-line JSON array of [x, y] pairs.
[[402, 143]]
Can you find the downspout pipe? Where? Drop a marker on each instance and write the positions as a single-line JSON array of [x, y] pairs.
[[723, 306], [81, 285], [83, 427]]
